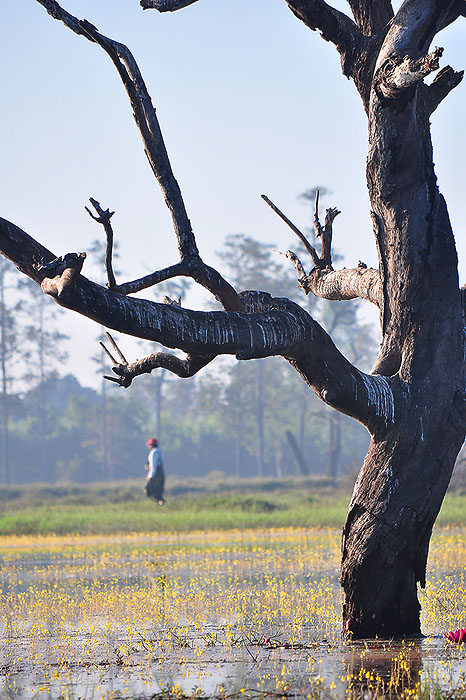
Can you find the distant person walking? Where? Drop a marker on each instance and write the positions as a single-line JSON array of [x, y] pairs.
[[155, 473]]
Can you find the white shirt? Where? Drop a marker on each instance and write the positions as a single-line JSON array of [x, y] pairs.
[[155, 461]]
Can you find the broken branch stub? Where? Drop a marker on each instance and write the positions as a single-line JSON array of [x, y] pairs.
[[103, 217]]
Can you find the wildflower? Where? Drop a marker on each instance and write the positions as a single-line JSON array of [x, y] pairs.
[[458, 636]]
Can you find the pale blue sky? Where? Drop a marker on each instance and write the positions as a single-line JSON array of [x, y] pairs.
[[249, 101]]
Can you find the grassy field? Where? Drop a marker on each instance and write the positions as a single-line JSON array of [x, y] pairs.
[[196, 504]]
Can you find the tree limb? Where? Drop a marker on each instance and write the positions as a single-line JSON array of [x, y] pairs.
[[103, 217], [268, 326], [334, 26], [165, 5], [310, 249], [147, 122], [371, 16], [323, 232], [444, 82], [338, 285], [177, 270], [414, 27], [126, 371], [359, 283]]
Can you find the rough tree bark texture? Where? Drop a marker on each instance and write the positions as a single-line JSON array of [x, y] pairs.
[[413, 402]]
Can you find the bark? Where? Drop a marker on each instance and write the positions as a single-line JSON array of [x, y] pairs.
[[407, 470], [371, 16], [414, 402]]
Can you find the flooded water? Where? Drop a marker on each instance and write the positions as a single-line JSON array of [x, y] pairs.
[[212, 615]]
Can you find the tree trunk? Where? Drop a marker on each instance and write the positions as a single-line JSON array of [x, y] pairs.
[[389, 525], [413, 402], [405, 475]]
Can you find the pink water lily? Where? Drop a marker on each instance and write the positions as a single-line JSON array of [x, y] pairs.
[[458, 636]]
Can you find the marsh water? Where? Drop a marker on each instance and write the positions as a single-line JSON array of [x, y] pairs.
[[212, 615]]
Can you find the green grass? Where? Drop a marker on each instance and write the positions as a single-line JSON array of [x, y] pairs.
[[195, 505]]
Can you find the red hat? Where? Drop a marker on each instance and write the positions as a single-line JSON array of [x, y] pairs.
[[152, 441]]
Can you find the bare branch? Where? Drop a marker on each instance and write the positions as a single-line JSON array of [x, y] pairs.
[[371, 16], [310, 249], [338, 285], [180, 269], [334, 26], [359, 283], [184, 368], [444, 82], [116, 348], [316, 222], [103, 217], [267, 327], [165, 5], [298, 265], [458, 9], [325, 233], [147, 122]]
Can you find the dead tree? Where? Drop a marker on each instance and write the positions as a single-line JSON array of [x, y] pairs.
[[413, 401]]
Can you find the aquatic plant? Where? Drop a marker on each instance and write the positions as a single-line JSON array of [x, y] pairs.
[[458, 636], [154, 616]]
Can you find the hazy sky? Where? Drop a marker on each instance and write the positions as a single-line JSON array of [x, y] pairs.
[[249, 101]]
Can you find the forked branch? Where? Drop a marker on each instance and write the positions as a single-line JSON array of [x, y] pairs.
[[334, 25], [126, 371], [323, 281], [324, 233], [413, 29], [310, 249], [268, 327], [371, 16]]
